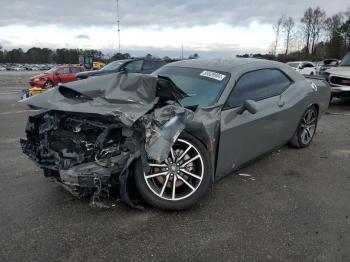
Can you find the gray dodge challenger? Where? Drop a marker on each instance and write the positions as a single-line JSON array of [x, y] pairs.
[[165, 138]]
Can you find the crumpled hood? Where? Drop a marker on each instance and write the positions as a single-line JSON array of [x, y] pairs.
[[340, 70], [126, 96]]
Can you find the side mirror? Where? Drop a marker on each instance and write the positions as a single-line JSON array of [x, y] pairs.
[[301, 67], [250, 106], [57, 74], [123, 69]]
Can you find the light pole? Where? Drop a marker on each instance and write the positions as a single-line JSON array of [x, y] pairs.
[[118, 23]]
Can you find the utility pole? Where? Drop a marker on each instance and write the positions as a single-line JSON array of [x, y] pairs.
[[182, 52], [118, 23]]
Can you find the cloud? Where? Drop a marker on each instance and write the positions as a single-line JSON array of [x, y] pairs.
[[82, 37], [156, 13], [4, 42], [200, 25]]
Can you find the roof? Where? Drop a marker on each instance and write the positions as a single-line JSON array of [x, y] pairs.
[[300, 62], [225, 65]]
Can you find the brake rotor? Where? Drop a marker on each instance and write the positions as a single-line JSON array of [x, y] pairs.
[[179, 183]]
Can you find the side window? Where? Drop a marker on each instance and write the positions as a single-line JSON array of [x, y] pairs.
[[75, 70], [308, 65], [134, 66], [258, 85], [64, 70], [148, 65], [158, 64]]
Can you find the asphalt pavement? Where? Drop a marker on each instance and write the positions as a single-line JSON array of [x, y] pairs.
[[293, 206]]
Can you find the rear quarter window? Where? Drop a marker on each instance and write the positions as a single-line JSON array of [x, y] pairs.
[[258, 85]]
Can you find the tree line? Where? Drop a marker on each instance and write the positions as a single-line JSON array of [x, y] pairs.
[[315, 36], [36, 55]]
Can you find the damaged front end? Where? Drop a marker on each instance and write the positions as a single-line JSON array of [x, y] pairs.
[[90, 147], [83, 152]]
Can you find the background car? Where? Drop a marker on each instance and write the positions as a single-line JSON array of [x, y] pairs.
[[326, 64], [98, 65], [56, 75], [339, 78], [304, 68], [142, 65]]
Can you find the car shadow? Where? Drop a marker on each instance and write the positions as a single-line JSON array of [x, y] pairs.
[[339, 105]]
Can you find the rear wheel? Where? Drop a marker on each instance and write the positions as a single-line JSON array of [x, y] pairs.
[[49, 84], [179, 181], [306, 129]]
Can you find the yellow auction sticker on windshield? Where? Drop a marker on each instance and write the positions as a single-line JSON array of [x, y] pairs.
[[213, 75]]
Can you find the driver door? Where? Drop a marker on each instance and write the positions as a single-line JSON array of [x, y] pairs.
[[245, 136], [64, 75]]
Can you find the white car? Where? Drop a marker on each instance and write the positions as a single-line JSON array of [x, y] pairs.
[[2, 68], [339, 78], [303, 67]]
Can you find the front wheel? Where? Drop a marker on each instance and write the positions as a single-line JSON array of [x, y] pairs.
[[306, 129], [181, 180], [49, 84]]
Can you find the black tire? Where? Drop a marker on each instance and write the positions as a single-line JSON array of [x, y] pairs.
[[330, 99], [158, 201], [49, 84], [298, 140], [33, 107]]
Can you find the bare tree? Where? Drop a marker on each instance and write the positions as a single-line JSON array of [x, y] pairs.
[[334, 40], [306, 22], [277, 29], [345, 32], [288, 26], [317, 25], [334, 22]]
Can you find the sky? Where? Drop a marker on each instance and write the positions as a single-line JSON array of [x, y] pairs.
[[211, 28]]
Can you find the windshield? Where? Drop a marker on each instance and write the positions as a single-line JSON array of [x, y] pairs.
[[295, 65], [51, 70], [345, 61], [113, 66], [204, 87]]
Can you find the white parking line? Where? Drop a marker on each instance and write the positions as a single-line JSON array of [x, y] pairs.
[[18, 112], [10, 93], [338, 114]]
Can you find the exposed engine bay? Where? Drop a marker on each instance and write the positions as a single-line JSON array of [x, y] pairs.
[[90, 153], [81, 152]]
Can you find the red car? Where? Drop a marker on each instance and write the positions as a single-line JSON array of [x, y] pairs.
[[56, 75]]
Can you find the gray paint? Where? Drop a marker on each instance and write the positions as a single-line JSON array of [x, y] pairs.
[[127, 97], [245, 137]]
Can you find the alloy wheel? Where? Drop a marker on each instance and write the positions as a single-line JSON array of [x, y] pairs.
[[179, 176], [48, 84], [308, 126]]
